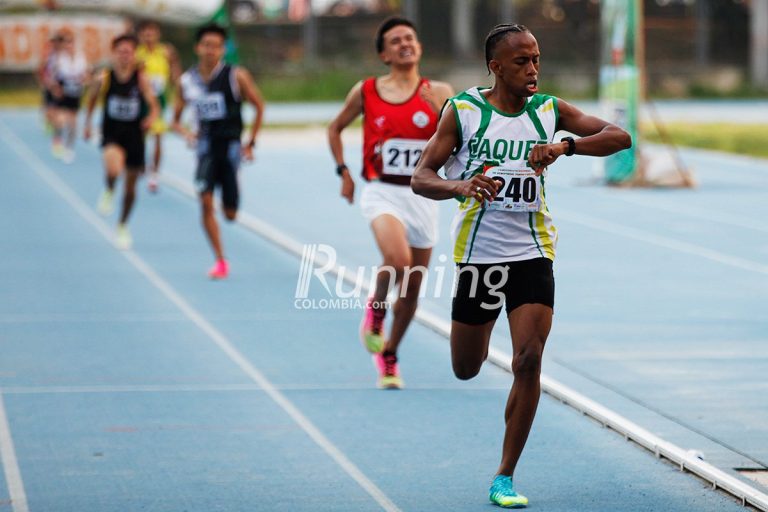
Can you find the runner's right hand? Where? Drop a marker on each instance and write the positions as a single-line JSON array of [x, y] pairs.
[[348, 188], [191, 138], [481, 187]]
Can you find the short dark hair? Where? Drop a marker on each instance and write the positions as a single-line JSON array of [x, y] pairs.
[[387, 25], [495, 36], [141, 25], [211, 28], [122, 38]]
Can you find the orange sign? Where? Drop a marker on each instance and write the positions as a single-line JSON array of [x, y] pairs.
[[24, 39]]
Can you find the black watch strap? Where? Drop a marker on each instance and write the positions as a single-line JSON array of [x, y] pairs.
[[340, 169], [571, 145]]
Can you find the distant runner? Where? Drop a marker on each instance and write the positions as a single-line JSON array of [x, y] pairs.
[[217, 90], [160, 63], [125, 93]]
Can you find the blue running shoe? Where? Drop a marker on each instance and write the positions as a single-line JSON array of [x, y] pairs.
[[503, 494]]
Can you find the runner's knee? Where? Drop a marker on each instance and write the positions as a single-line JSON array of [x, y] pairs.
[[399, 262], [527, 362], [206, 204], [464, 370]]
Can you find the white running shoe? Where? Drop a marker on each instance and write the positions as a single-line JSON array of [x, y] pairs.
[[105, 205], [68, 155], [152, 182], [123, 239]]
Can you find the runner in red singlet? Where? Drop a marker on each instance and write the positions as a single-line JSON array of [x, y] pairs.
[[400, 112]]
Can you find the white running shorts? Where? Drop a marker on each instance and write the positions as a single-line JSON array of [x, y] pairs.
[[417, 213]]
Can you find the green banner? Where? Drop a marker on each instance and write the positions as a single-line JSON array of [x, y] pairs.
[[221, 18], [619, 79]]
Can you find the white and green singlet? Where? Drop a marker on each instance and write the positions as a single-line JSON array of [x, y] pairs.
[[517, 225]]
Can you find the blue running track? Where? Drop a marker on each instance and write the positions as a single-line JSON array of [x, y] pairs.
[[128, 381]]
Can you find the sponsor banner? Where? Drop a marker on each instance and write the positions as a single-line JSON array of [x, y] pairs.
[[24, 38], [619, 80], [174, 11]]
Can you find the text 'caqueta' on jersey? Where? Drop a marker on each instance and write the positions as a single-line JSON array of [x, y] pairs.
[[517, 225]]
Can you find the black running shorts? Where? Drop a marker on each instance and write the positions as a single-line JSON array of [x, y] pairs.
[[482, 289], [217, 163], [48, 99], [68, 103], [132, 142]]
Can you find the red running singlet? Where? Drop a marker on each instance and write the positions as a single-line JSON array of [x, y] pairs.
[[407, 126]]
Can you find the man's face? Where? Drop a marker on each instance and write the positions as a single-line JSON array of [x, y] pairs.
[[401, 46], [67, 44], [150, 34], [516, 63], [210, 49], [124, 54]]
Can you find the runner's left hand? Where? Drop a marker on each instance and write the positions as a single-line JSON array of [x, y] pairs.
[[146, 123], [247, 153], [543, 155]]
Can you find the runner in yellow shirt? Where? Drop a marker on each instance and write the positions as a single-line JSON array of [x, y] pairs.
[[160, 64]]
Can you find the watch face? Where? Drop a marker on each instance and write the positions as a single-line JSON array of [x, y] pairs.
[[571, 145]]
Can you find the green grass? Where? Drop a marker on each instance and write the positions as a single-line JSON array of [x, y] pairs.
[[743, 91], [20, 97], [743, 139], [312, 86]]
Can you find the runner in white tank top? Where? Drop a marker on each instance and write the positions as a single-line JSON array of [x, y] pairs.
[[493, 138], [68, 77], [496, 145]]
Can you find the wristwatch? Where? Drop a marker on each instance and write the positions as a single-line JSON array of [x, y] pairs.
[[340, 169], [571, 145]]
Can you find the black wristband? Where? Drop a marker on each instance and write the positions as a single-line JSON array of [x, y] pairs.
[[340, 169], [571, 145]]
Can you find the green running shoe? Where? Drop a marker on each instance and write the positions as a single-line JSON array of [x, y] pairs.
[[372, 328], [389, 375], [503, 494]]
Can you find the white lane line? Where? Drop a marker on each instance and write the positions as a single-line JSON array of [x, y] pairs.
[[658, 446], [661, 241], [742, 223], [223, 388], [45, 173], [83, 318], [277, 237], [10, 464], [132, 388]]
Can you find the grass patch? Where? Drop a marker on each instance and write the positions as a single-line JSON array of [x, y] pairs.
[[743, 139], [307, 87], [21, 97], [743, 91]]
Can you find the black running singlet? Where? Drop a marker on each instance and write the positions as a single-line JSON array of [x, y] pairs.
[[218, 108], [123, 105]]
